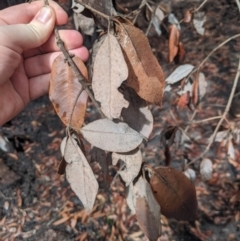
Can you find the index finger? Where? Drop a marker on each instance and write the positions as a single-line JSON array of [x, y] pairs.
[[24, 13]]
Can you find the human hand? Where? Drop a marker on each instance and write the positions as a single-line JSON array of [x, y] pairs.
[[27, 50]]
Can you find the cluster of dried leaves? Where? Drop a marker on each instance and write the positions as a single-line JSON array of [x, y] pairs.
[[124, 77]]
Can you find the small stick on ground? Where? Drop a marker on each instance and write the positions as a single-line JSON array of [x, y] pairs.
[[223, 116]]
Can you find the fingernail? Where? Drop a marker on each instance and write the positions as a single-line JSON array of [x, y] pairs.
[[44, 15]]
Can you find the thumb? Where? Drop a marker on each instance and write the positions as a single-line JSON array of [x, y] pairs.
[[20, 37]]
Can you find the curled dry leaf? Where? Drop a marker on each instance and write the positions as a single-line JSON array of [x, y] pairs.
[[110, 136], [206, 169], [157, 19], [173, 20], [109, 71], [5, 144], [199, 88], [231, 150], [187, 16], [198, 21], [64, 90], [145, 74], [180, 55], [147, 209], [133, 163], [183, 100], [190, 174], [179, 73], [174, 192], [173, 42], [79, 174], [62, 167], [137, 110]]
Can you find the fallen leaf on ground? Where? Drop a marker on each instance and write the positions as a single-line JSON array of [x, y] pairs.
[[183, 100], [199, 19], [206, 169], [173, 42], [179, 73], [187, 16]]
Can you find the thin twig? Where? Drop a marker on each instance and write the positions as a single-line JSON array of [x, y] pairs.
[[142, 4], [218, 47], [192, 118], [200, 6], [94, 10], [238, 4], [153, 14], [223, 116], [76, 71], [205, 120]]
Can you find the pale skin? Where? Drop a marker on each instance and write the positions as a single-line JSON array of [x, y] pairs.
[[27, 51]]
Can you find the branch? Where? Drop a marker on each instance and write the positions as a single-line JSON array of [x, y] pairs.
[[76, 71], [94, 10], [218, 47], [223, 116], [153, 14], [200, 6], [142, 4]]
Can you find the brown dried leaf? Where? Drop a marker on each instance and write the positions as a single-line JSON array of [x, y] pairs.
[[147, 209], [109, 71], [187, 16], [62, 167], [180, 55], [133, 163], [64, 89], [137, 110], [110, 136], [173, 42], [174, 192], [79, 174], [145, 74], [195, 96], [183, 100], [199, 88]]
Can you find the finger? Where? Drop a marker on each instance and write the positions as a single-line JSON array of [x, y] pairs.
[[42, 64], [20, 37], [72, 39], [24, 13], [39, 86]]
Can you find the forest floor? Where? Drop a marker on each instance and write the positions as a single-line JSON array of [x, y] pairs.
[[36, 203]]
